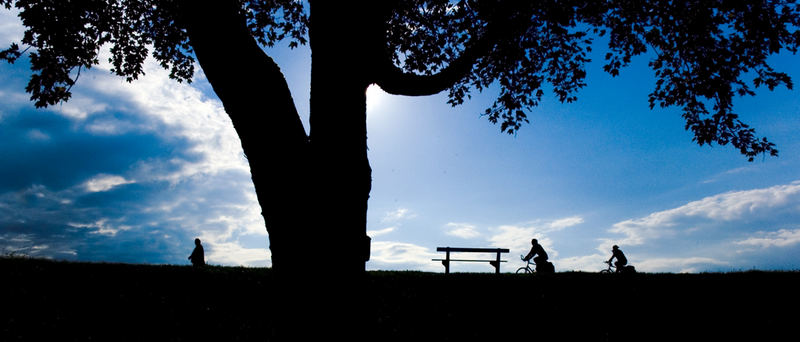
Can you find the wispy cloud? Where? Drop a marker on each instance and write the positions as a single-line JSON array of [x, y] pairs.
[[125, 172], [402, 255], [514, 237], [780, 238], [682, 265], [711, 211], [462, 230], [232, 253], [375, 233], [80, 107], [11, 29], [566, 222], [723, 230], [105, 182], [732, 172], [102, 226], [517, 237], [398, 215]]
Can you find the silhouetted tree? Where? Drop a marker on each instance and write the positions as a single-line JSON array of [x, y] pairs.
[[313, 188]]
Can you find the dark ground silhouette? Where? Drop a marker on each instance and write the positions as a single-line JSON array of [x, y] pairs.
[[115, 302]]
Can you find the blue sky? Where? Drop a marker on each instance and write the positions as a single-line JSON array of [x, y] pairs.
[[134, 172]]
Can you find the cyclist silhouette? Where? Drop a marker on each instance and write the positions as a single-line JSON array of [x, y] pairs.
[[536, 249], [621, 260]]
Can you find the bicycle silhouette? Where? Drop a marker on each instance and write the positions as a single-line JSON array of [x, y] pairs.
[[612, 269], [547, 267], [527, 268]]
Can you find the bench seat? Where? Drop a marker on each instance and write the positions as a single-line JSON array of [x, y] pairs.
[[470, 260], [494, 262]]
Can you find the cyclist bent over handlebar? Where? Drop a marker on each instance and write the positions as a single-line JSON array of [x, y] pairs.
[[536, 249], [621, 260]]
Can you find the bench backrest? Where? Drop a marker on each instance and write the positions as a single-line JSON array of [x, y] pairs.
[[472, 250]]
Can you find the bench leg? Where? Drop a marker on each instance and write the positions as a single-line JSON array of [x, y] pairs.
[[446, 262]]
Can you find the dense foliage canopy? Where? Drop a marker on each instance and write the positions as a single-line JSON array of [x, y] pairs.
[[700, 51]]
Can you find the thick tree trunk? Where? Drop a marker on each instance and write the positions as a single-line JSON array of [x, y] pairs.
[[343, 177], [313, 190]]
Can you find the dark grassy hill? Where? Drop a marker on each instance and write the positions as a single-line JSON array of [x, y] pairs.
[[44, 300]]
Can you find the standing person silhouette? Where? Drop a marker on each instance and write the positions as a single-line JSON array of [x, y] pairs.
[[621, 260], [536, 249], [198, 256]]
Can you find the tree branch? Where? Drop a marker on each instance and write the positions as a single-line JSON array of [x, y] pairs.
[[395, 81], [249, 83]]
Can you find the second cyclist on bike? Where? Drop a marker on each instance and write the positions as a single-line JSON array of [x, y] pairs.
[[542, 265], [621, 261]]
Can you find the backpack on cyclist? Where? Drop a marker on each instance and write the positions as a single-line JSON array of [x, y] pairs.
[[629, 269], [546, 267]]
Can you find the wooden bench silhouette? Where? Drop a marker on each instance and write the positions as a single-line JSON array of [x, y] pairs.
[[494, 262]]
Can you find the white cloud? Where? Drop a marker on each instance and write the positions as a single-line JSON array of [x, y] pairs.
[[113, 126], [79, 107], [733, 172], [566, 222], [374, 233], [188, 114], [102, 227], [513, 237], [517, 238], [154, 105], [734, 205], [24, 245], [160, 102], [462, 230], [682, 265], [402, 255], [711, 211], [781, 238], [231, 253], [101, 183], [11, 29], [38, 135], [712, 232], [14, 98], [397, 215], [181, 116]]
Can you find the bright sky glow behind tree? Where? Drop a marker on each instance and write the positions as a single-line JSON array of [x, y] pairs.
[[134, 172]]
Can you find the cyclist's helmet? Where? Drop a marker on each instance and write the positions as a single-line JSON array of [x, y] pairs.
[[615, 247]]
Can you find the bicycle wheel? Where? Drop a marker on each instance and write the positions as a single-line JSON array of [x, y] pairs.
[[524, 270], [605, 271]]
